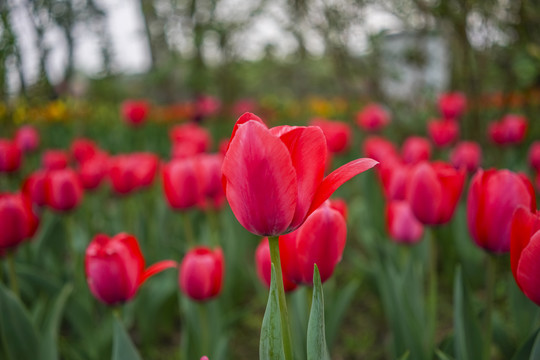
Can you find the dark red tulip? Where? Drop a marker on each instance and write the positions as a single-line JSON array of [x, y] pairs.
[[27, 138], [466, 154], [63, 189], [54, 159], [337, 134], [17, 220], [510, 130], [201, 273], [452, 105], [263, 265], [401, 223], [443, 132], [181, 183], [433, 191], [189, 139], [115, 268], [493, 197], [274, 178], [534, 156], [10, 156], [416, 149], [34, 187], [373, 117], [83, 149], [134, 112]]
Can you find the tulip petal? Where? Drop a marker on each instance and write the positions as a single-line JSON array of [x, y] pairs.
[[157, 268], [425, 193], [528, 270], [242, 120], [260, 180], [524, 225]]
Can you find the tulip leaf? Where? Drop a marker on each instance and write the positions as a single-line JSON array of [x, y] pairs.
[[316, 337], [123, 348], [529, 348], [468, 341], [19, 336], [49, 343], [343, 299], [271, 344]]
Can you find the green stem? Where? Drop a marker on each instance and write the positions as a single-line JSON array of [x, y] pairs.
[[433, 286], [205, 333], [12, 274], [214, 226], [71, 251], [188, 229], [285, 327], [490, 287]]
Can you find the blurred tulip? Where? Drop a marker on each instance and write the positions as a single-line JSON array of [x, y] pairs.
[[115, 268], [93, 171], [134, 112], [466, 154], [273, 178], [63, 190], [189, 139], [443, 132], [416, 149], [510, 130], [34, 187], [243, 106], [54, 159], [181, 183], [433, 191], [17, 220], [337, 134], [204, 358], [206, 105], [223, 146], [146, 167], [201, 273], [209, 172], [493, 197], [394, 178], [263, 264], [10, 156], [452, 105], [83, 149], [380, 149], [373, 117], [401, 223], [341, 206], [534, 156], [27, 138], [130, 172]]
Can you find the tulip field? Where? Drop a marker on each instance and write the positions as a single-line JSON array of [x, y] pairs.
[[137, 230]]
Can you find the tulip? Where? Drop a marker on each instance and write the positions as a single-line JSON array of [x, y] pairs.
[[380, 149], [34, 187], [341, 206], [452, 105], [209, 172], [373, 117], [337, 134], [189, 139], [146, 167], [206, 105], [181, 183], [263, 265], [244, 105], [17, 220], [493, 197], [54, 159], [433, 191], [534, 156], [63, 190], [466, 154], [27, 138], [83, 149], [510, 130], [115, 268], [416, 149], [10, 156], [443, 132], [134, 112], [401, 223], [201, 273], [129, 172], [394, 178], [93, 171], [273, 178]]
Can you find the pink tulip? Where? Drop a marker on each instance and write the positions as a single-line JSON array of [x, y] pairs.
[[27, 138], [373, 117], [134, 112], [443, 132], [416, 149], [83, 149], [466, 154], [201, 273], [209, 173], [510, 130], [189, 139], [380, 149], [337, 134], [452, 105], [34, 187], [401, 223]]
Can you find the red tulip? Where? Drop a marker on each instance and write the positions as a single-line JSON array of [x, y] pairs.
[[373, 117], [263, 264], [534, 155], [433, 191], [416, 149], [27, 138], [17, 220], [394, 178], [509, 131], [320, 240], [10, 156], [206, 105], [401, 223], [341, 206], [146, 167], [63, 189], [134, 112], [93, 171], [273, 178], [189, 139], [130, 172], [115, 268], [209, 172], [452, 105], [493, 197], [201, 273], [181, 183], [83, 149], [443, 132], [34, 187], [380, 149], [54, 159], [466, 154], [337, 134]]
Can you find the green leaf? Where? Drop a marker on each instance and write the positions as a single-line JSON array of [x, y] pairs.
[[338, 308], [442, 356], [123, 348], [49, 343], [525, 352], [271, 344], [19, 336], [468, 341], [316, 340]]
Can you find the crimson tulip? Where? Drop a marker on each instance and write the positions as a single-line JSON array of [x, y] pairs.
[[466, 154], [401, 223], [443, 132], [452, 105], [27, 138], [34, 187], [10, 156], [510, 130], [433, 191], [181, 183], [273, 178], [534, 156], [337, 134], [115, 268], [54, 159], [201, 273], [17, 220], [373, 117], [493, 197], [134, 112], [263, 264], [63, 189], [416, 149]]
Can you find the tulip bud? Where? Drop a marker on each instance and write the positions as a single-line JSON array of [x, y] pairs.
[[380, 149], [93, 171], [263, 264], [209, 173], [63, 190], [401, 223], [10, 156], [201, 273]]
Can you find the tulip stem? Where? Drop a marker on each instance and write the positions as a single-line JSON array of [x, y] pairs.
[[433, 286], [490, 287], [285, 327], [205, 335], [214, 226], [188, 229], [12, 274]]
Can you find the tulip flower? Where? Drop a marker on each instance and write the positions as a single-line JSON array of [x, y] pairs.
[[189, 139], [83, 149], [401, 223], [341, 206], [209, 172], [493, 197], [466, 154], [129, 172], [34, 187], [337, 134], [415, 149], [93, 171], [273, 178], [54, 159], [263, 265], [433, 191], [206, 105], [181, 183], [534, 156], [243, 106], [201, 273], [380, 149], [134, 112], [63, 190], [17, 220], [443, 132], [10, 156], [373, 117], [115, 268], [510, 130], [27, 138], [394, 177], [452, 105]]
